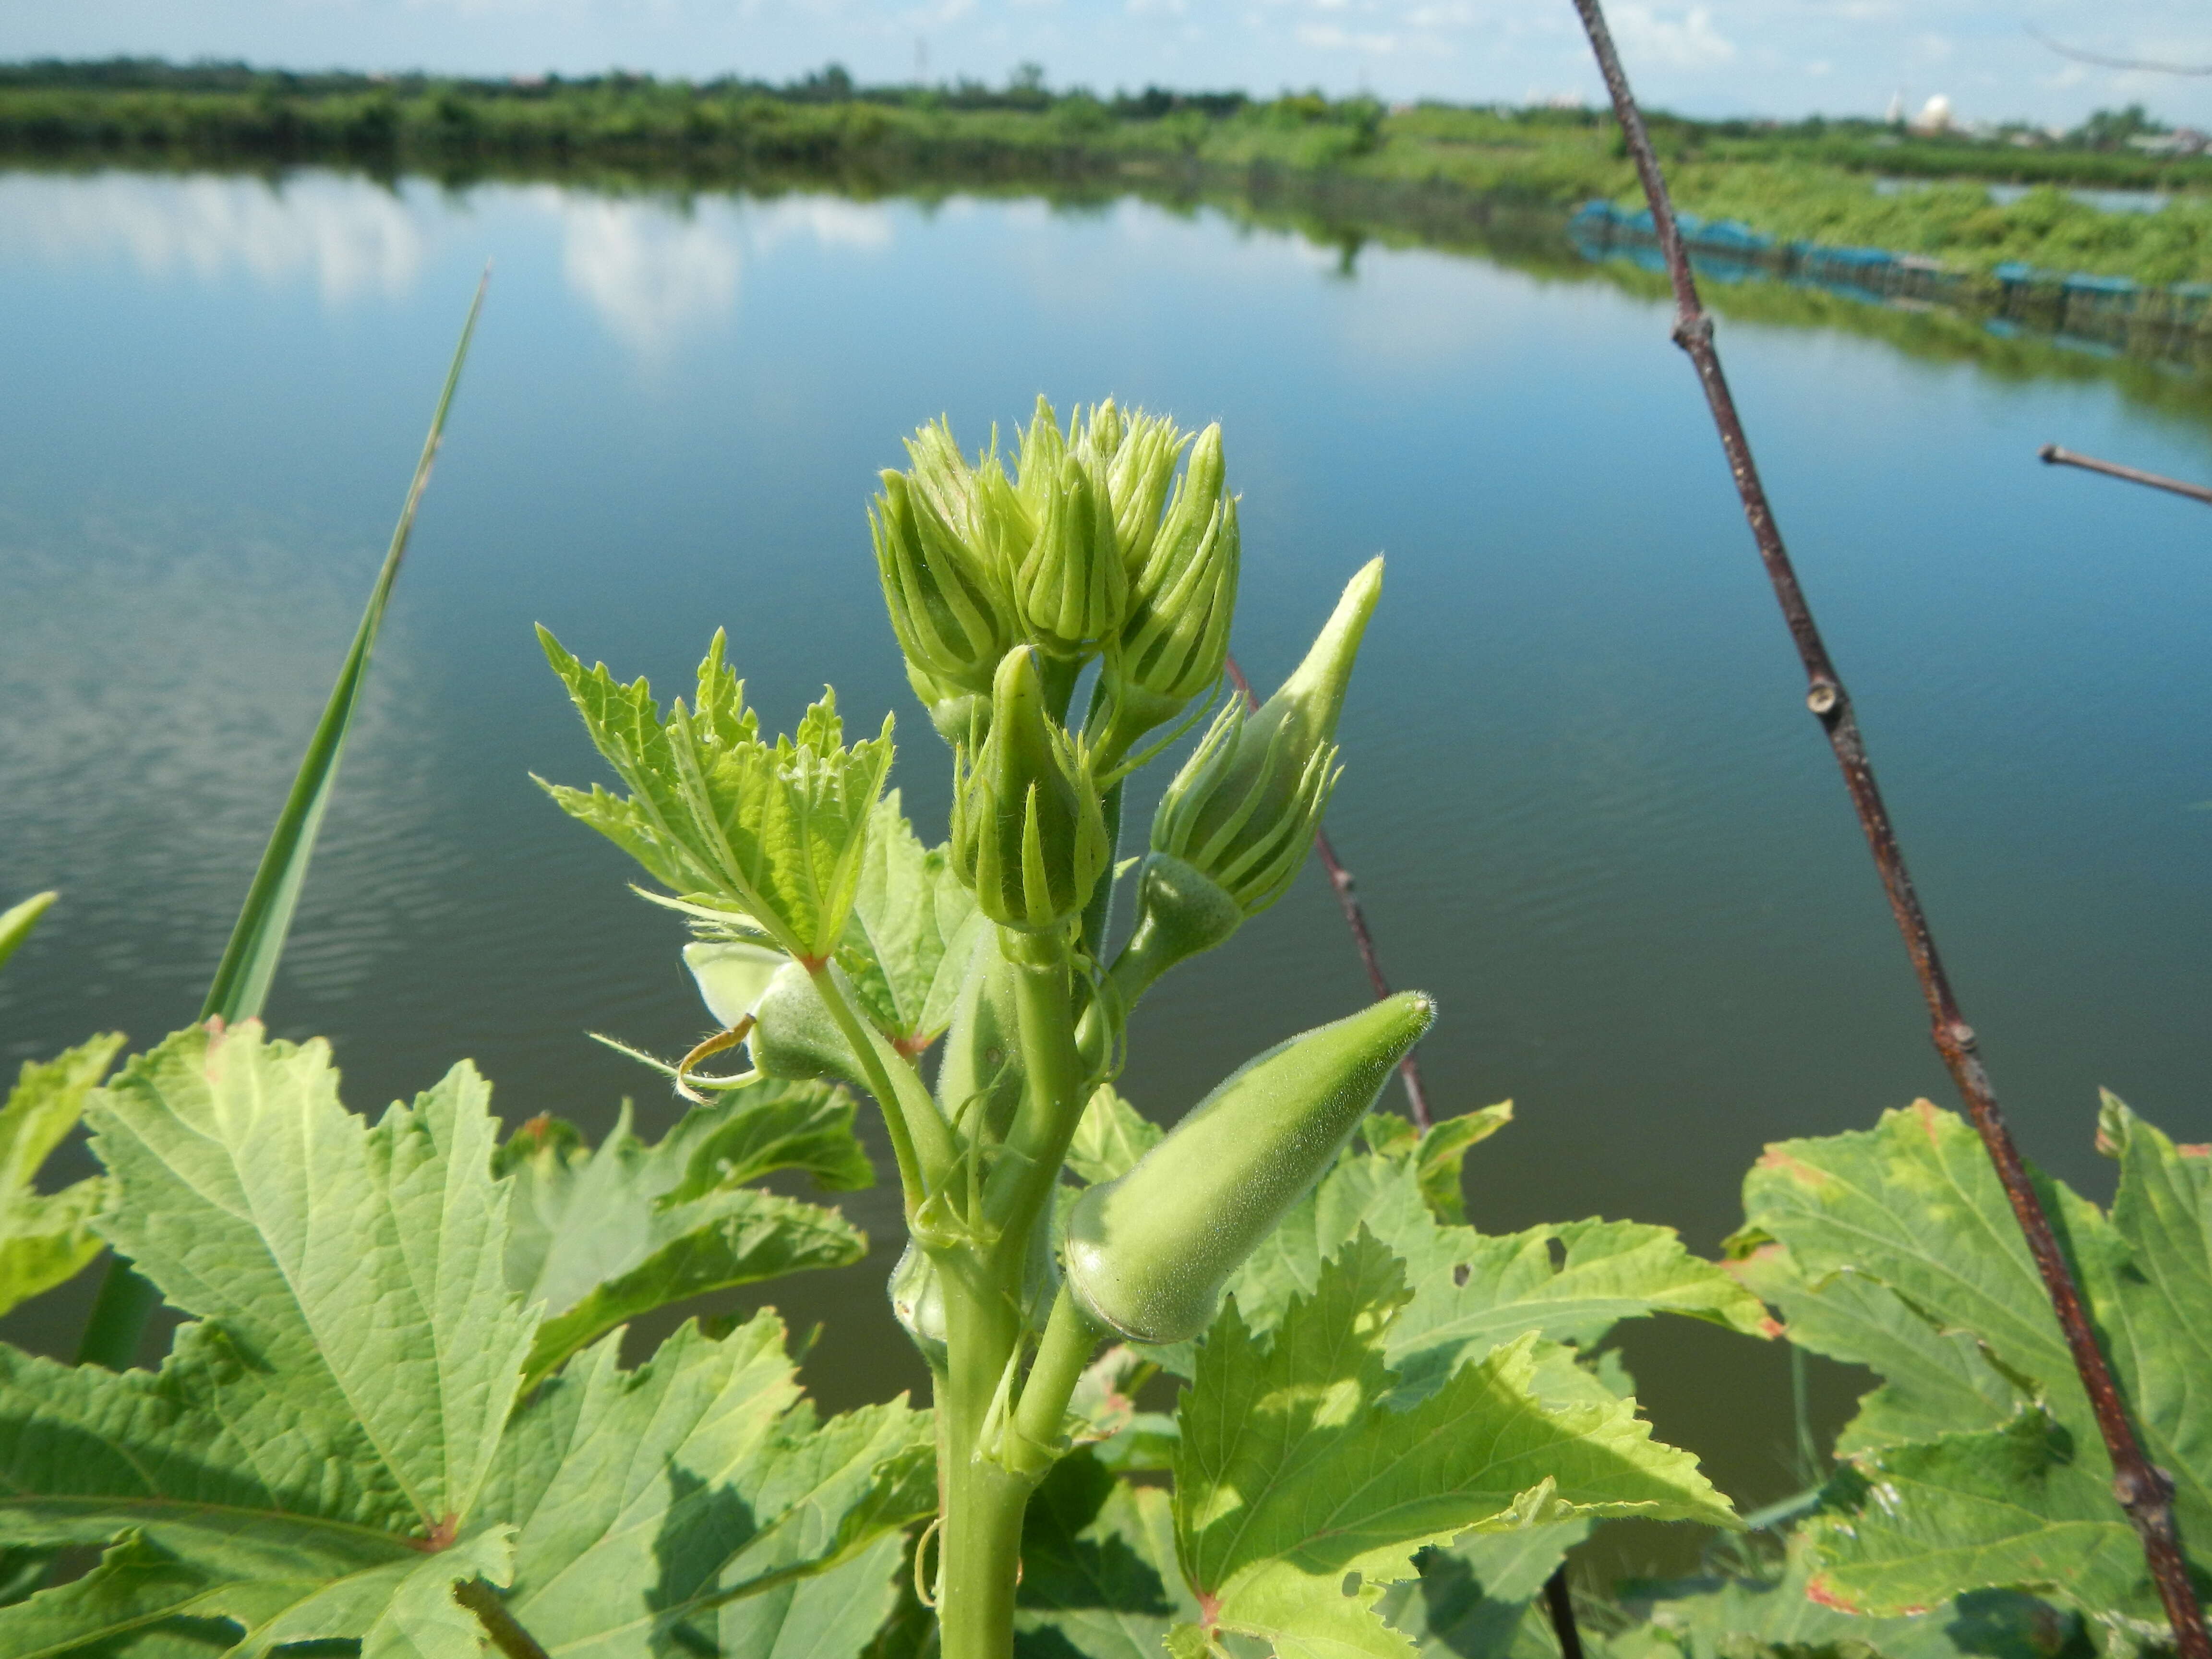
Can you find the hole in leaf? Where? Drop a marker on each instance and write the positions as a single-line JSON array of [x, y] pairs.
[[1352, 1583], [1559, 1255], [1459, 1275]]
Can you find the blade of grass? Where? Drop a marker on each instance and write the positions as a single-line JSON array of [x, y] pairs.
[[17, 921], [256, 942]]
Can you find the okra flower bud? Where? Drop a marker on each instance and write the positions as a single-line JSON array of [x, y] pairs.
[[1147, 1254], [1143, 463], [1182, 595], [948, 603], [1070, 586], [1244, 807], [1029, 834]]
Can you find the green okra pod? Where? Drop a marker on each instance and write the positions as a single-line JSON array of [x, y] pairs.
[[1147, 1254]]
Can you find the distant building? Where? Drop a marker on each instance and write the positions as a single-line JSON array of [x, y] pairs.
[[1934, 117], [2182, 141]]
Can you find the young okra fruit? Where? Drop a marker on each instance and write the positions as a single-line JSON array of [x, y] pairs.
[[1102, 559]]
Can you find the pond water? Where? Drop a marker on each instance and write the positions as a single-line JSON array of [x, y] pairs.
[[1583, 800]]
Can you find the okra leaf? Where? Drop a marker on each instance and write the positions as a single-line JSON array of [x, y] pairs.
[[600, 1236], [831, 1615], [1301, 1492], [913, 931], [1936, 1382], [732, 1238], [1440, 1153], [774, 833], [644, 1499], [331, 1447], [17, 921], [309, 1459], [2015, 1491], [47, 1239], [1114, 1431], [1472, 1596], [362, 1265], [1109, 1138], [1914, 1206], [1098, 1567], [1905, 1528], [1767, 1614], [1568, 1282]]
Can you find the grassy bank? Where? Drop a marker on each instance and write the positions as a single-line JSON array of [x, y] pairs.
[[1814, 181]]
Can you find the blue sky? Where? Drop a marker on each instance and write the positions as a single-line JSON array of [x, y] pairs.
[[1705, 57]]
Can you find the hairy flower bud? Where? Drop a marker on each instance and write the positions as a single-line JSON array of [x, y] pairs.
[[1069, 586], [1182, 597], [1142, 466], [1029, 835], [948, 603], [1147, 1254], [1244, 807]]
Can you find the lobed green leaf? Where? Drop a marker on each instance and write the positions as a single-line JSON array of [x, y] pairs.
[[45, 1238], [913, 933], [1978, 1464], [1294, 1476], [600, 1236], [773, 833]]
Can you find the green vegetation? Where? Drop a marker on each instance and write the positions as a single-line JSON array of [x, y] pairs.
[[1250, 1384], [1815, 179]]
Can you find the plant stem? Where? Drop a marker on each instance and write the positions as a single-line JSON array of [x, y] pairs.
[[980, 1538], [508, 1637], [915, 1176], [1028, 1167], [1098, 915], [1560, 1601], [2145, 1492], [1070, 1339], [2052, 455], [1355, 918]]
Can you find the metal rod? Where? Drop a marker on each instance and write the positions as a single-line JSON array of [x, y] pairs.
[[2054, 456], [2145, 1492], [1355, 918]]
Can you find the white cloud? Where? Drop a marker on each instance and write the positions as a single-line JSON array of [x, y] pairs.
[[1329, 37], [1689, 42], [350, 237]]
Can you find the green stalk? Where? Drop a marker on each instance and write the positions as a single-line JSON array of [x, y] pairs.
[[242, 979], [1036, 1144], [1070, 1339], [916, 1177], [984, 1500], [1098, 915], [993, 1451]]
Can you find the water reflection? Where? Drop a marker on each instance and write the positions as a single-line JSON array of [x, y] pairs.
[[658, 271], [350, 239], [147, 753], [1583, 800]]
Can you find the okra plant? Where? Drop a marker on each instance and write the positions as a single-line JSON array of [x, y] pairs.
[[1064, 614]]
